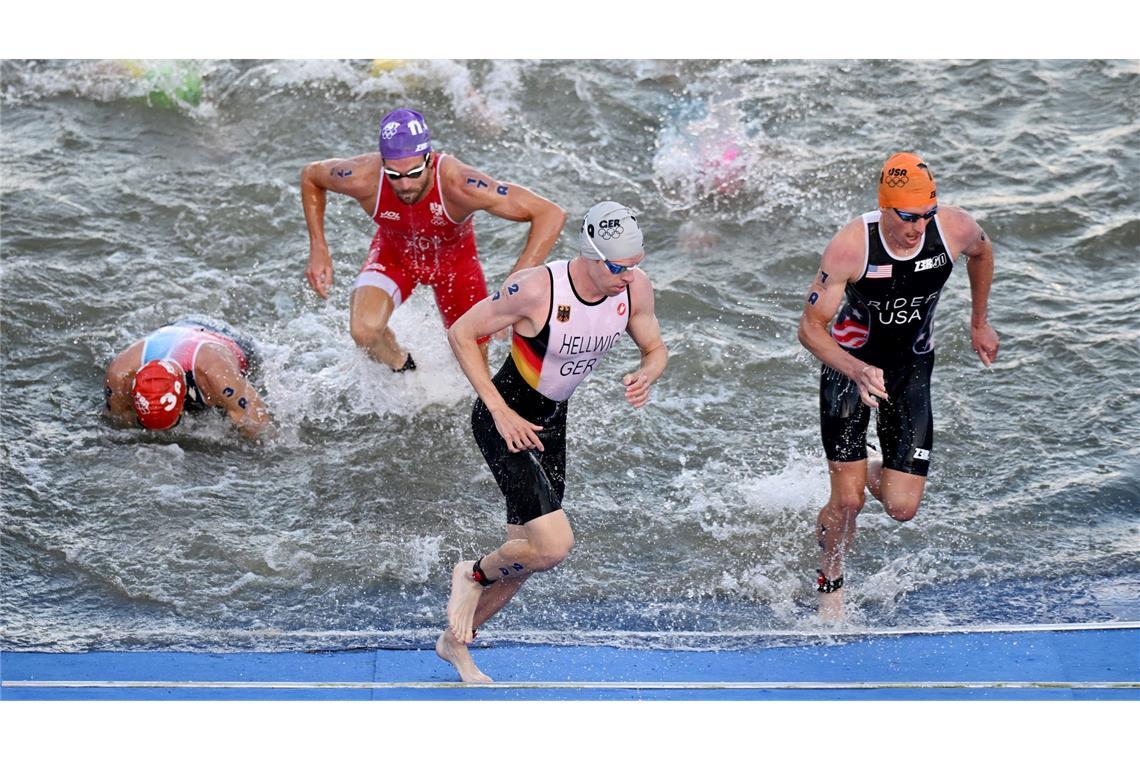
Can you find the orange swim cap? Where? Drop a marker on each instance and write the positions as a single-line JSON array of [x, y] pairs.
[[906, 182]]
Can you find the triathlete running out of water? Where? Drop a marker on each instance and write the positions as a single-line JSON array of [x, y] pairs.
[[564, 318], [422, 202], [880, 280]]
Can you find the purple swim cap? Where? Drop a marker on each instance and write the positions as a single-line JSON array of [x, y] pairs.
[[404, 133]]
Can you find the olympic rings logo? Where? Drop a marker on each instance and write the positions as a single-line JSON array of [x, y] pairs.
[[897, 182], [610, 233], [390, 130]]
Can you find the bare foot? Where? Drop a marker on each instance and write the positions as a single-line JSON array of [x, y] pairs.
[[465, 593], [831, 607], [452, 651]]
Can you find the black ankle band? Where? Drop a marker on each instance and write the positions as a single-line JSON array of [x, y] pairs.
[[409, 364], [826, 586], [478, 574]]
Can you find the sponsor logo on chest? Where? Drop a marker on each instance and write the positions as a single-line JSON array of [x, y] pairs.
[[437, 214], [932, 263]]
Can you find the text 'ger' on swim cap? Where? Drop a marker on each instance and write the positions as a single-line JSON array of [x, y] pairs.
[[613, 229]]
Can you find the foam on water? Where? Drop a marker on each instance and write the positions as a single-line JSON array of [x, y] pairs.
[[321, 376], [694, 516]]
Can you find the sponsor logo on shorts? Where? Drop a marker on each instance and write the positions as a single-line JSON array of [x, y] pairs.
[[392, 216], [923, 454], [563, 313]]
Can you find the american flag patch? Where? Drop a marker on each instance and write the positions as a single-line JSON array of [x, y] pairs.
[[878, 272], [850, 333]]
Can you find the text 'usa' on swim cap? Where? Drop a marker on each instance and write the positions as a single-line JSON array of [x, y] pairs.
[[611, 228], [158, 393], [906, 182], [404, 133]]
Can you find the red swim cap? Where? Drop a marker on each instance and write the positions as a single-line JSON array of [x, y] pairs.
[[158, 393]]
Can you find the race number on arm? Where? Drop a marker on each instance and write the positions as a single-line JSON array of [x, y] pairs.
[[467, 190], [843, 261]]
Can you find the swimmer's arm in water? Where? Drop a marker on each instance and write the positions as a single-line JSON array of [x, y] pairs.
[[467, 190], [521, 303], [117, 406], [223, 386], [355, 177], [645, 330], [842, 263], [963, 232]]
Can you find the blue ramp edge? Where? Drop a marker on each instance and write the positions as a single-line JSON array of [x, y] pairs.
[[1081, 663]]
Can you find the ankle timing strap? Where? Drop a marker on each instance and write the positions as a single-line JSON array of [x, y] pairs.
[[477, 574], [825, 586], [409, 364]]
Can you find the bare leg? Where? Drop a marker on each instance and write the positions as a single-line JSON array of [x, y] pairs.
[[539, 545], [370, 310], [464, 600], [835, 529], [545, 542], [492, 599], [901, 493], [875, 475]]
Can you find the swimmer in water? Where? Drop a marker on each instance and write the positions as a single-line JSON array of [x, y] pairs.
[[185, 366]]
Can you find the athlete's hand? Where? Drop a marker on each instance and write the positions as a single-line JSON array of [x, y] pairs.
[[985, 341], [871, 384], [636, 388], [320, 271], [519, 433]]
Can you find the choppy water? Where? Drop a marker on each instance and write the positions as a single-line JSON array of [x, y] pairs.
[[131, 195]]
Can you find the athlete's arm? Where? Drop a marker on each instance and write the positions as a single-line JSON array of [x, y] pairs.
[[842, 263], [646, 333], [467, 190], [355, 177], [522, 302], [118, 408], [979, 252], [223, 386]]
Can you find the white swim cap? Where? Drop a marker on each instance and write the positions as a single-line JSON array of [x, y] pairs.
[[611, 228]]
